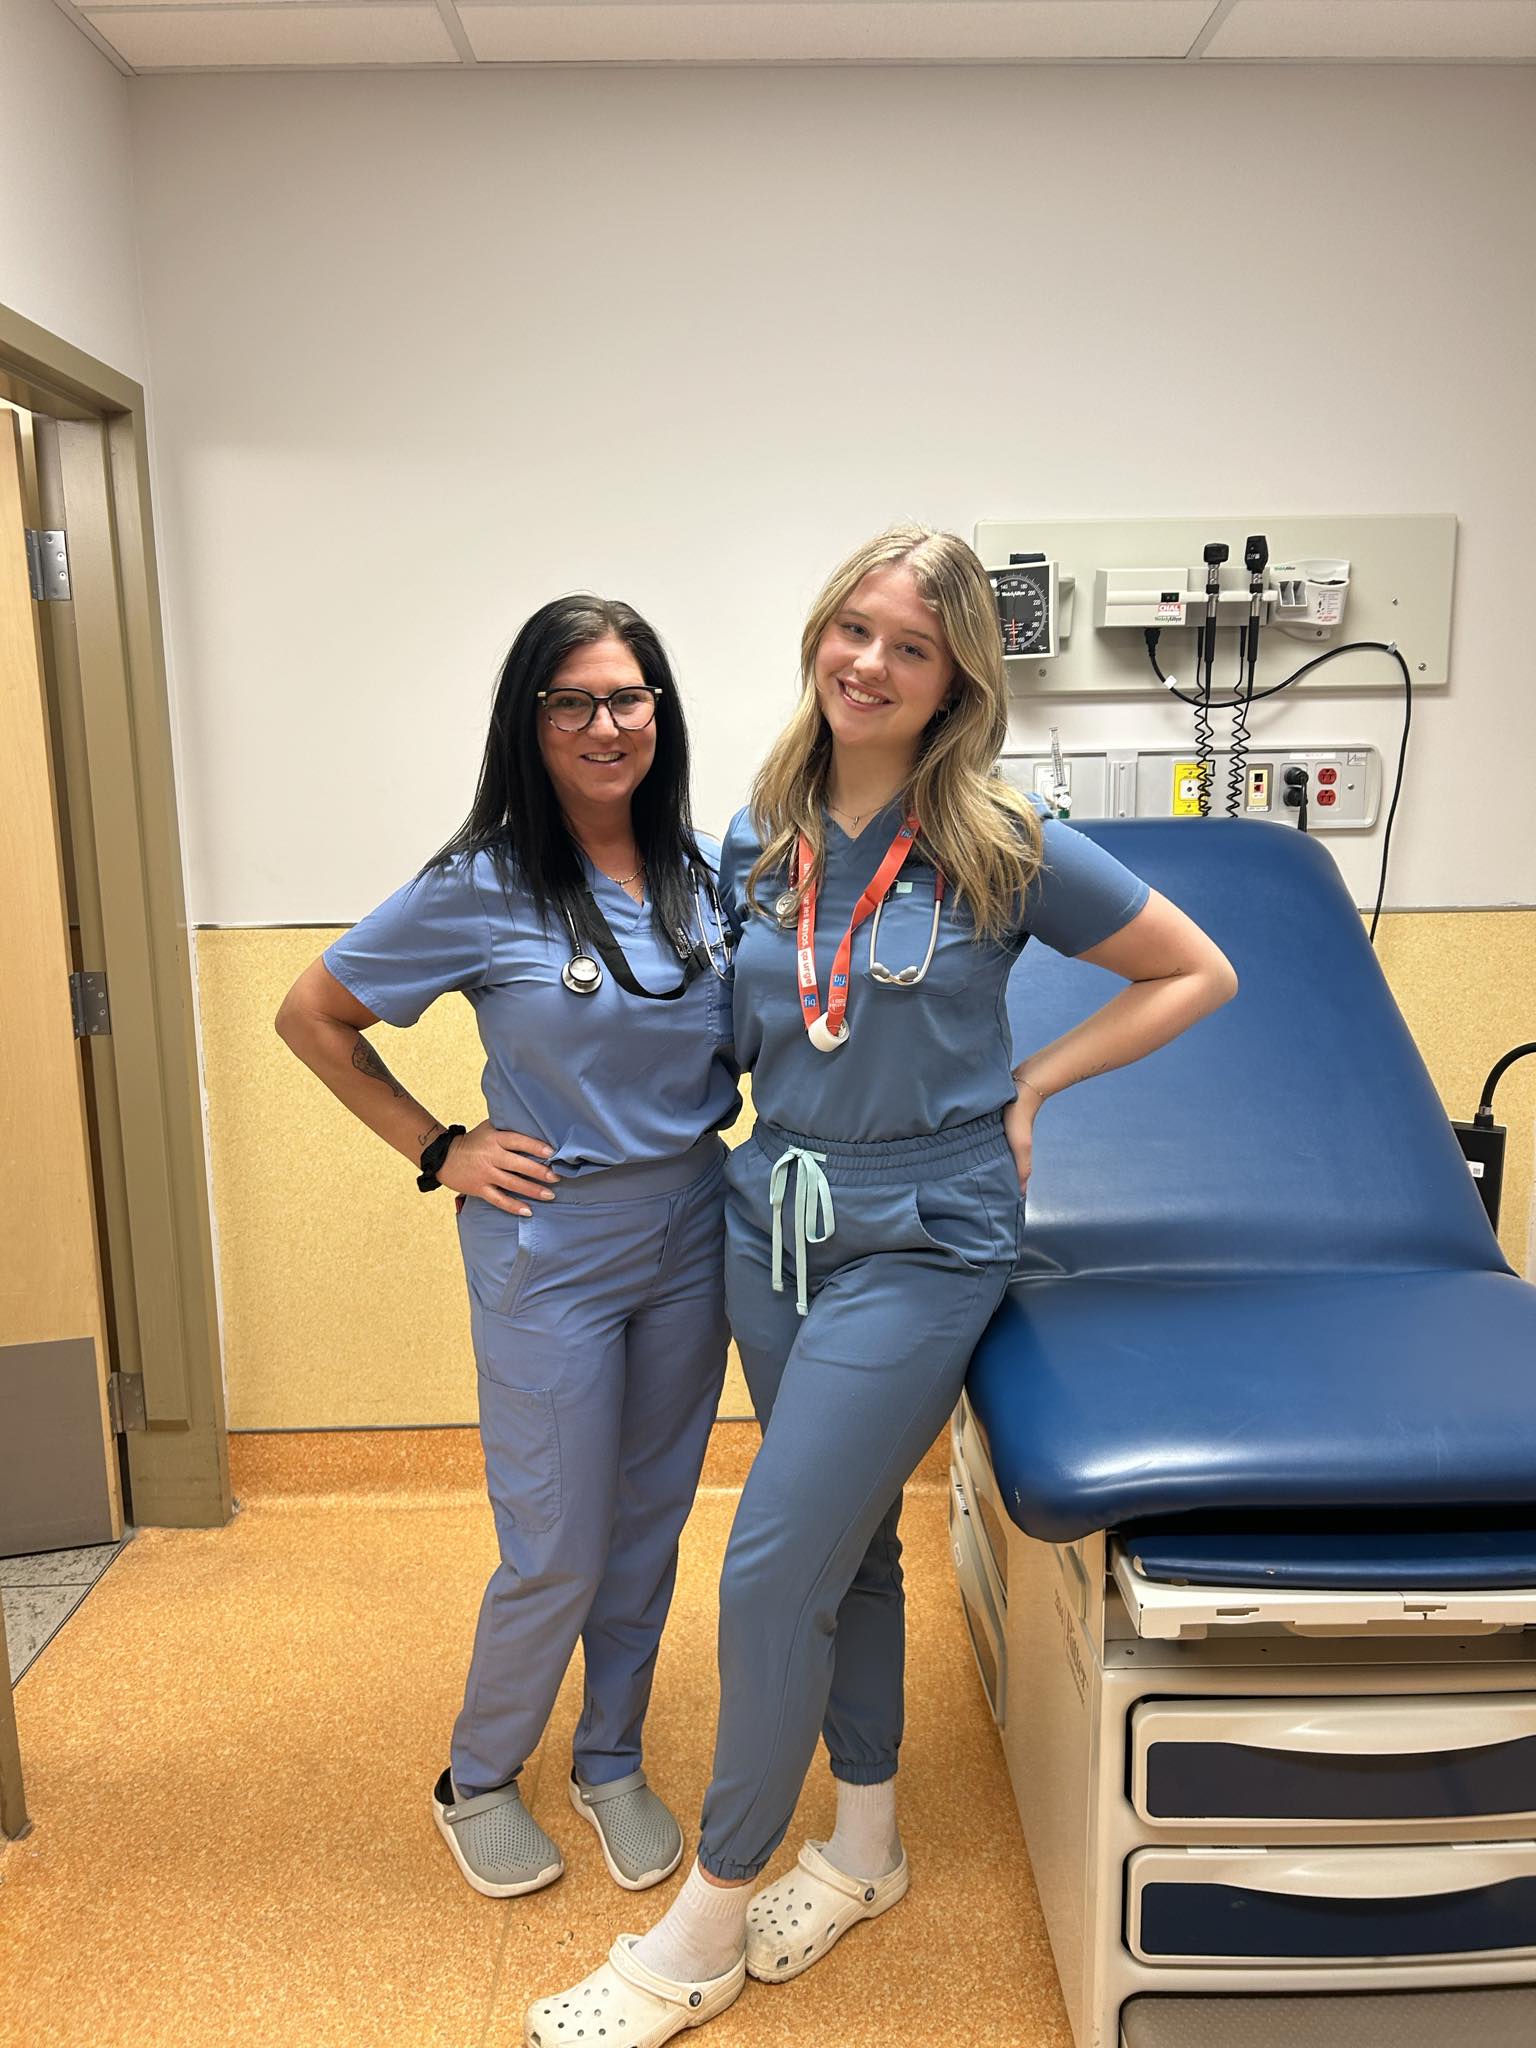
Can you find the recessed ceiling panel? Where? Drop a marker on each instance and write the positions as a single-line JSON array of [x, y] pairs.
[[165, 38], [841, 31], [1379, 31]]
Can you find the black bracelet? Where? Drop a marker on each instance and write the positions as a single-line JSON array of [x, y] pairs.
[[434, 1156]]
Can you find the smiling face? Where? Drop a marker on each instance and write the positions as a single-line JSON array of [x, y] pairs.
[[882, 667], [604, 765]]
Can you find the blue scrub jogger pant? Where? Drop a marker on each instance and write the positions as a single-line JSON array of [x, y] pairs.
[[600, 1338], [850, 1396]]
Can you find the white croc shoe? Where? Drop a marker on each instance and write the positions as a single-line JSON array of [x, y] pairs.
[[792, 1924], [629, 2004]]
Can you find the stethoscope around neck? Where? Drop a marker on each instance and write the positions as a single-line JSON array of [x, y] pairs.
[[886, 977], [583, 973]]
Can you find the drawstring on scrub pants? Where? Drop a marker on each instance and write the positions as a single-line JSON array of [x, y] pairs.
[[812, 1197]]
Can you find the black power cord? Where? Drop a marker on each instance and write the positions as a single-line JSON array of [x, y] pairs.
[[1485, 1100], [1245, 698], [1390, 647], [1482, 1141], [1297, 782]]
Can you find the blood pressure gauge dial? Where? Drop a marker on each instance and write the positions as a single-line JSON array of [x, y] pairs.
[[1026, 606]]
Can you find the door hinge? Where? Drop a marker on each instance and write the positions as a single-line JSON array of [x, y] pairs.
[[88, 1003], [125, 1401], [48, 565]]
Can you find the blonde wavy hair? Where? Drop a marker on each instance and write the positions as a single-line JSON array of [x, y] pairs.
[[976, 829]]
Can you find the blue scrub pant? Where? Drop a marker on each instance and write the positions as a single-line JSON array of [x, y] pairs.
[[600, 1337], [850, 1396]]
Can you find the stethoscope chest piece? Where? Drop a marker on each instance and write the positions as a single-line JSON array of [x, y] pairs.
[[784, 910], [582, 975]]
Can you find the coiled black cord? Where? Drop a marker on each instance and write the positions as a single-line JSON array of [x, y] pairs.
[[1237, 765], [1205, 764]]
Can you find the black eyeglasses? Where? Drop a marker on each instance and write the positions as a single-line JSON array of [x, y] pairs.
[[631, 708]]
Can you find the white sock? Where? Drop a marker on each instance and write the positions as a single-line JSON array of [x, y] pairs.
[[865, 1842], [702, 1934]]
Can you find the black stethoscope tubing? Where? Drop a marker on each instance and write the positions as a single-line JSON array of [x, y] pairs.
[[582, 974]]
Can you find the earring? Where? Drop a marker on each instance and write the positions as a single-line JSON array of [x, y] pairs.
[[942, 714]]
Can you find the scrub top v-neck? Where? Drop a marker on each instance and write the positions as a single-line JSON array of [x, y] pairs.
[[921, 1058], [609, 1079]]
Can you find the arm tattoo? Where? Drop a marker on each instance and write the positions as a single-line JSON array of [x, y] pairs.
[[367, 1061]]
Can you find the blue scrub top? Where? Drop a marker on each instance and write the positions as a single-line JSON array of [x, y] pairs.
[[608, 1079], [919, 1058]]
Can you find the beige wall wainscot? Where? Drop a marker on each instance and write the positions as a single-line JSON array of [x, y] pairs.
[[343, 1295], [343, 1298], [1466, 982]]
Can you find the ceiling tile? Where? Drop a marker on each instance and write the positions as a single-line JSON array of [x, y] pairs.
[[1374, 31], [161, 38], [864, 31]]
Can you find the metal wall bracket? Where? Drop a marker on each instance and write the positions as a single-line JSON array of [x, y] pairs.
[[48, 565], [88, 1005], [125, 1401]]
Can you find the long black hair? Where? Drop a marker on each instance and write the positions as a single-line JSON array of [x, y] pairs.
[[516, 816]]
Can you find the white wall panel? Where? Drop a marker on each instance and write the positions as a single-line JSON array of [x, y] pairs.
[[67, 255], [429, 350]]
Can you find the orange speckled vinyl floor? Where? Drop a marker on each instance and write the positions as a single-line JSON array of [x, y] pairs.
[[230, 1748]]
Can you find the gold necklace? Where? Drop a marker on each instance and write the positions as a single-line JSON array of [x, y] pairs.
[[857, 817], [623, 881]]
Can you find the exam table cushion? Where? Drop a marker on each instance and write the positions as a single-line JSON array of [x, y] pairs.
[[1256, 1274], [1109, 1401], [1353, 1555]]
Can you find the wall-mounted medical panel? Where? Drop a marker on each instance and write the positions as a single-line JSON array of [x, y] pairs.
[[1401, 568], [1342, 787], [1251, 1765], [1274, 1908]]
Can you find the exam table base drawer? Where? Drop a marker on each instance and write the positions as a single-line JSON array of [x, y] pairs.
[[1332, 1763], [1504, 2018], [1278, 1909]]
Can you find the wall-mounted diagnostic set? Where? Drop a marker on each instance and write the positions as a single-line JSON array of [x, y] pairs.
[[1370, 580], [1212, 613]]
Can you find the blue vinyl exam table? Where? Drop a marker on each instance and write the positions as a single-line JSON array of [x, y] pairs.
[[1244, 1507]]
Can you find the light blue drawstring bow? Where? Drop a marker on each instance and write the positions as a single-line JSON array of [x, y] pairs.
[[812, 1197]]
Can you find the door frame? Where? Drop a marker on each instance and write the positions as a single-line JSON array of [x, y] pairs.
[[124, 825]]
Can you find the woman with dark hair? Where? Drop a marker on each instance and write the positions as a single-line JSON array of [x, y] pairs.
[[576, 909]]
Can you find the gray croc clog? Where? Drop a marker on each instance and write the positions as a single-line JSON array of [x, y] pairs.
[[642, 1842], [496, 1842]]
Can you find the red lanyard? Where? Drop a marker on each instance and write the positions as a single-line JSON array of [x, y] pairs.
[[827, 1032]]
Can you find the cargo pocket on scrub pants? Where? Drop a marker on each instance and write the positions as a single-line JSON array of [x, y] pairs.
[[519, 1428]]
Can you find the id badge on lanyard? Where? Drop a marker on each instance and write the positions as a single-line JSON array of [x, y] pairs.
[[828, 1029]]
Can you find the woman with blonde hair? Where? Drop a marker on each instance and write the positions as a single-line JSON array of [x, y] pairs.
[[883, 880]]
